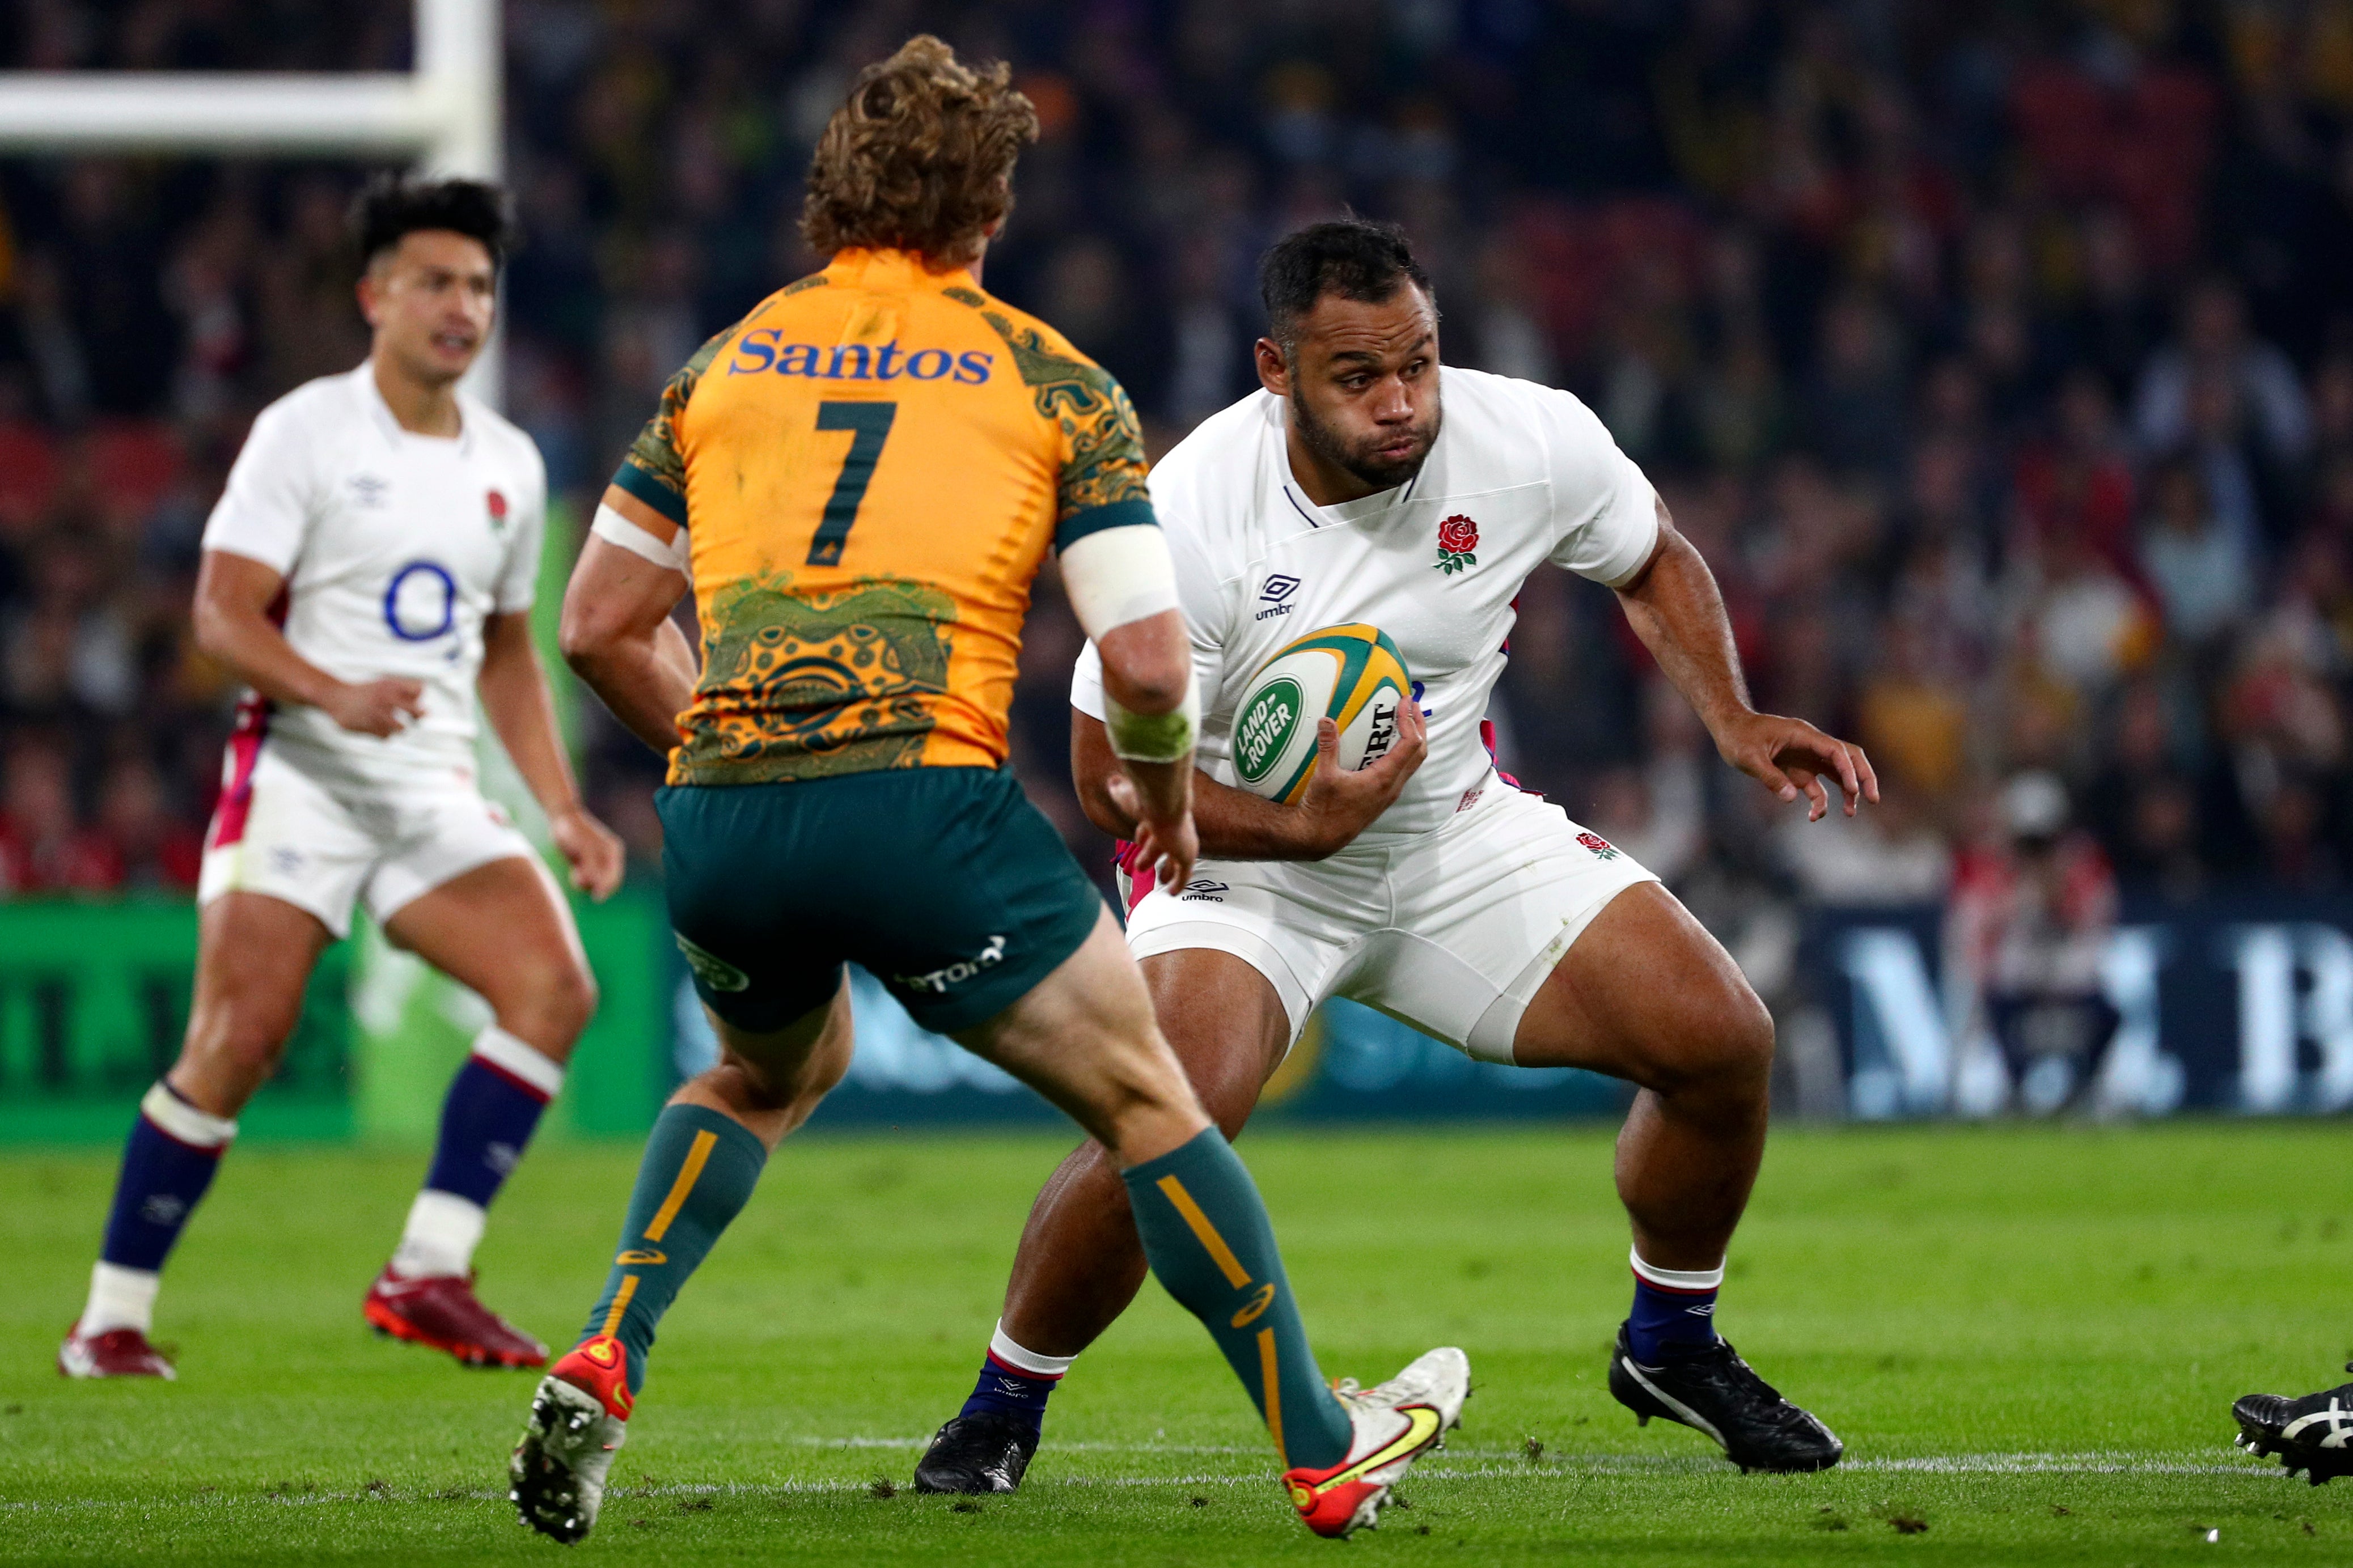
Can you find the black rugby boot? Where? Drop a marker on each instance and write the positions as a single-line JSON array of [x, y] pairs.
[[1715, 1391], [2314, 1434], [983, 1453]]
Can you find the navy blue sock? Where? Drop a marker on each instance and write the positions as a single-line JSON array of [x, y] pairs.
[[1005, 1389], [493, 1105], [167, 1163], [1674, 1310]]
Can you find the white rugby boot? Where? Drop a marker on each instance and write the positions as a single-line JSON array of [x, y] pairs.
[[1395, 1423]]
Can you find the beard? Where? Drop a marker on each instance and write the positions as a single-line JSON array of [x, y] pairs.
[[1361, 458]]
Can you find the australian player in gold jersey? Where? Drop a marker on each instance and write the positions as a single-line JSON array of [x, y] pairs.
[[857, 482]]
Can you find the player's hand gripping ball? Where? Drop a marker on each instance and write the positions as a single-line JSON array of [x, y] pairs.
[[1352, 675]]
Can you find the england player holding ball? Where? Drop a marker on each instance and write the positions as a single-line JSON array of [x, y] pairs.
[[1426, 884], [369, 573]]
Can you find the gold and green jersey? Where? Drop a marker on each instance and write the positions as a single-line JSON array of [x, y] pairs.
[[870, 469]]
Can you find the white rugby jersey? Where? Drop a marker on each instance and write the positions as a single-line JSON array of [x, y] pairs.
[[395, 547], [1520, 475]]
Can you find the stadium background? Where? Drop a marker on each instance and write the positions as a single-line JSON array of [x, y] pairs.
[[1999, 358]]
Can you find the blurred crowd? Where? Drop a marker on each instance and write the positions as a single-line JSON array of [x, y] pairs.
[[2000, 358]]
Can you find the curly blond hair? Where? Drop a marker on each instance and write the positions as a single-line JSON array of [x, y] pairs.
[[920, 157]]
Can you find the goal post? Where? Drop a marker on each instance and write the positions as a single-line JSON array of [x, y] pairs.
[[444, 116]]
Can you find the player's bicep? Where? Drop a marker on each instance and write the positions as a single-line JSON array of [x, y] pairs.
[[235, 598], [229, 582], [506, 638], [615, 596], [1117, 576], [624, 519]]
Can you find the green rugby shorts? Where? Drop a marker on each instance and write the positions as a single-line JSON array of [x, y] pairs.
[[945, 883]]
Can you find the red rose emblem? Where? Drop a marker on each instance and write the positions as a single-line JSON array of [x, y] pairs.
[[1599, 845], [1458, 536], [498, 503]]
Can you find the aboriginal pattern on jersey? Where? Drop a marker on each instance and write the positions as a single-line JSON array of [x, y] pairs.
[[654, 469], [1106, 466], [800, 685]]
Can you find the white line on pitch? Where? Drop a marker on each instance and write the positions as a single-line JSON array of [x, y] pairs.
[[1949, 1464]]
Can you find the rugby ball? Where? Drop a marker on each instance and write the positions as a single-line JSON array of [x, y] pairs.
[[1352, 675]]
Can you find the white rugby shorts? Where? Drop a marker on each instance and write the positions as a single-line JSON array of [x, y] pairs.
[[1452, 930], [280, 832]]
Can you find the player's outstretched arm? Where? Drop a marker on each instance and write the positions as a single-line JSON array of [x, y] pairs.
[[1674, 606], [234, 593], [515, 700], [618, 636], [1235, 824]]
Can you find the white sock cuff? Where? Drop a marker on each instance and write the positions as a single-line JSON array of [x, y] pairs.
[[1676, 1279], [119, 1298], [1003, 1346], [442, 1232], [183, 1123], [510, 1058]]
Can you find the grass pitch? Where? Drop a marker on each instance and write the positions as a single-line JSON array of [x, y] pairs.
[[2029, 1339]]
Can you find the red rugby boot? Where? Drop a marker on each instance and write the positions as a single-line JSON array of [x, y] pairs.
[[441, 1310], [118, 1352]]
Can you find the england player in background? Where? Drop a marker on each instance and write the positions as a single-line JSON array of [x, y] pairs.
[[368, 572], [1428, 885]]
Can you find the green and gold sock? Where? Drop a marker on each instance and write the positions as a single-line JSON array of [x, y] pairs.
[[698, 1172], [1205, 1233]]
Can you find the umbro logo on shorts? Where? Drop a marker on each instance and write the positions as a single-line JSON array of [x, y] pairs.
[[1206, 891], [1277, 589]]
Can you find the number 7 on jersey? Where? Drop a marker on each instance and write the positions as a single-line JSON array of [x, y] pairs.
[[871, 421]]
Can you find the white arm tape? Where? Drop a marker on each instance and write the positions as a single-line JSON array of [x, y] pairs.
[[1119, 574], [613, 529], [1156, 737]]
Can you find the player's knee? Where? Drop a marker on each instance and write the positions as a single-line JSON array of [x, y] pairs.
[[571, 1002], [1228, 1100], [1718, 1045], [244, 1037], [549, 1004], [1738, 1035]]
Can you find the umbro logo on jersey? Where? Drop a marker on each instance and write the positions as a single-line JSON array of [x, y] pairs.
[[369, 491], [1274, 594]]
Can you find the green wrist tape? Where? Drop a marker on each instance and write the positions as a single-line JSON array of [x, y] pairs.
[[1151, 737]]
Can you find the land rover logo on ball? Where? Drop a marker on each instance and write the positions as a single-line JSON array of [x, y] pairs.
[[1264, 729]]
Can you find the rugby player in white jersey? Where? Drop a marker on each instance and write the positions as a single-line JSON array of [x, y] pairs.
[[368, 572], [1427, 885]]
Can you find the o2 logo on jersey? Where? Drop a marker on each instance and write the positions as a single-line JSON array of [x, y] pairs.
[[421, 603]]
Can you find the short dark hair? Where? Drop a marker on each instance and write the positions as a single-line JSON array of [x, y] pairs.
[[391, 207], [1350, 257]]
